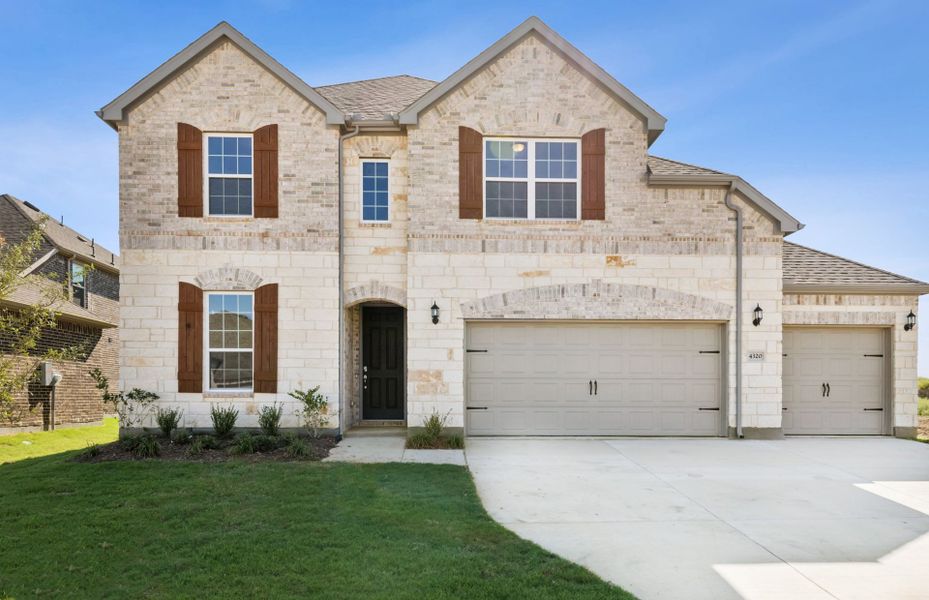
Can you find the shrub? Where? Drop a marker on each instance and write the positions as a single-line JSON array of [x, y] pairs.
[[455, 442], [91, 451], [269, 419], [208, 442], [196, 447], [244, 444], [224, 419], [923, 409], [142, 446], [430, 437], [434, 424], [168, 419], [131, 407], [313, 409], [181, 436], [923, 384], [420, 441], [266, 443], [297, 448]]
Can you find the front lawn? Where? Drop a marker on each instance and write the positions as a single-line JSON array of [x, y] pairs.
[[42, 443], [240, 529]]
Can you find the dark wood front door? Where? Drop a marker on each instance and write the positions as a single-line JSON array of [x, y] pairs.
[[382, 363]]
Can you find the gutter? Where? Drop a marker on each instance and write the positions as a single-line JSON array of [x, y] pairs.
[[345, 136], [738, 309]]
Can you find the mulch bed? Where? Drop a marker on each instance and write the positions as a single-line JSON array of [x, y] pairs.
[[923, 428], [318, 449]]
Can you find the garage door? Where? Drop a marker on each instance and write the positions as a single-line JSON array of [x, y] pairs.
[[593, 379], [834, 381]]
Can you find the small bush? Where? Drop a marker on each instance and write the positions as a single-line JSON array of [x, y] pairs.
[[91, 451], [266, 443], [269, 419], [313, 409], [923, 409], [208, 442], [430, 437], [168, 419], [196, 447], [434, 424], [455, 442], [244, 444], [224, 419], [142, 446], [297, 448], [922, 384], [181, 436], [420, 441]]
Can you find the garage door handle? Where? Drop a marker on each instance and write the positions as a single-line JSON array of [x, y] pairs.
[[874, 410], [711, 408], [824, 390], [477, 408], [595, 387], [828, 390], [590, 387]]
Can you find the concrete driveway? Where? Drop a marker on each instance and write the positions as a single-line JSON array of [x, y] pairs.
[[794, 519]]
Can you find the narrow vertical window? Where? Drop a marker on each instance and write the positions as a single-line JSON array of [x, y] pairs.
[[230, 341], [78, 280], [229, 174], [375, 192]]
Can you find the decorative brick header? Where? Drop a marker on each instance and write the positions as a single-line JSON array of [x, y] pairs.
[[375, 290], [228, 278], [838, 317], [596, 300]]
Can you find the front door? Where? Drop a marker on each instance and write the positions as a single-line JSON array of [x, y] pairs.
[[382, 363]]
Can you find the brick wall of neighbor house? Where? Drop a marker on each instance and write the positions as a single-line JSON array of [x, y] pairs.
[[667, 239], [77, 399], [225, 91], [873, 311]]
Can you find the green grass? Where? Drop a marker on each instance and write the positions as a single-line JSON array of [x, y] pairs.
[[237, 529], [42, 443]]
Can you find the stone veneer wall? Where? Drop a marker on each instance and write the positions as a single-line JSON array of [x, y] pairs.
[[887, 311]]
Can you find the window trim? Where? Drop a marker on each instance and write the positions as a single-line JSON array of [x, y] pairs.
[[361, 200], [206, 342], [206, 172], [530, 177], [86, 267]]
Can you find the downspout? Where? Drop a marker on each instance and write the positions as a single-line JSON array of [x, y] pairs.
[[738, 308], [341, 358]]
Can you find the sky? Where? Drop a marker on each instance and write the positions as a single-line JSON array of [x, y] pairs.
[[820, 105]]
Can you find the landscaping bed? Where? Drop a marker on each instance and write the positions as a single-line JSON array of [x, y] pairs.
[[923, 431]]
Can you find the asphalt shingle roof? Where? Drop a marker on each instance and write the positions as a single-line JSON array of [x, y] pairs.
[[374, 99], [665, 166], [31, 293], [808, 267]]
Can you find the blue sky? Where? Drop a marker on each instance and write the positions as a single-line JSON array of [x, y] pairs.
[[821, 105]]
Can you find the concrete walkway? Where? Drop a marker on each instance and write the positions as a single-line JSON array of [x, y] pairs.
[[387, 446], [791, 519]]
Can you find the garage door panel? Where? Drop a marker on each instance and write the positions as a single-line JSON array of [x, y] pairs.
[[856, 383], [651, 379]]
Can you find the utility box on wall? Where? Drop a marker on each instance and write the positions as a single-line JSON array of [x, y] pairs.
[[47, 374]]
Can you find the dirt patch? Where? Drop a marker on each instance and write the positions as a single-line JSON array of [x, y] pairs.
[[923, 431], [315, 449]]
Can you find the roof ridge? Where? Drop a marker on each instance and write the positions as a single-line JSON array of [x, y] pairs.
[[329, 85], [855, 262], [680, 162]]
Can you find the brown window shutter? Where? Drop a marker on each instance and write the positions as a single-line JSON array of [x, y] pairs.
[[266, 339], [189, 171], [470, 174], [266, 172], [593, 175], [190, 339]]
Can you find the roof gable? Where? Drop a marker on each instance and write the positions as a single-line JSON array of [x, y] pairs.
[[655, 122], [114, 112]]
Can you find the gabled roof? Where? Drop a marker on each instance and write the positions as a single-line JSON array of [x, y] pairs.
[[376, 99], [114, 112], [809, 270], [68, 241], [654, 120], [663, 171]]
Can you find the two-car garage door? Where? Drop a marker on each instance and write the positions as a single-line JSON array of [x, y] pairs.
[[594, 378]]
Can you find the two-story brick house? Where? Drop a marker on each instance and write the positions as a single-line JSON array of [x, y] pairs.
[[499, 247], [86, 323]]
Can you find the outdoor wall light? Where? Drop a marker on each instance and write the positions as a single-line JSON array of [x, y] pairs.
[[435, 313], [910, 321], [758, 315]]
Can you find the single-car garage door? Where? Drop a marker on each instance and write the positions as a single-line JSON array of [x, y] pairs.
[[834, 380], [593, 379]]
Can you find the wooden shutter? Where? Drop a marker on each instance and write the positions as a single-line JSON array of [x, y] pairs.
[[266, 339], [593, 175], [265, 147], [190, 339], [470, 174], [189, 171]]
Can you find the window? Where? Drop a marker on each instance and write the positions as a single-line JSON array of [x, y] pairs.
[[229, 174], [375, 203], [78, 279], [531, 179], [229, 341]]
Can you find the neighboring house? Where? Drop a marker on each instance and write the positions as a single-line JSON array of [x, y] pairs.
[[88, 320], [507, 254]]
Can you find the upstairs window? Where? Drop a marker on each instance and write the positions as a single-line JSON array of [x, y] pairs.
[[375, 192], [230, 341], [229, 174], [531, 179], [78, 282]]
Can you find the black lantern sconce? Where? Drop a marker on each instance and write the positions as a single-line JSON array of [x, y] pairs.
[[435, 313], [910, 322], [759, 314]]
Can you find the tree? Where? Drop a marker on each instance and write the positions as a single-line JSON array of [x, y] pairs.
[[23, 324]]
